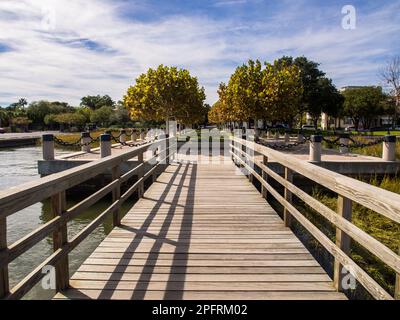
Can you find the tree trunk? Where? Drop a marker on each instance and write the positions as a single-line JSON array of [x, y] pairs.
[[315, 123]]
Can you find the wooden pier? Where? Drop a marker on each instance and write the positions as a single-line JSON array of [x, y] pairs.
[[201, 230]]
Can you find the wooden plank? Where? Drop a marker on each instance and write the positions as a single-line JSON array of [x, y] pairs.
[[205, 277], [344, 209], [60, 239], [288, 196], [200, 270], [265, 177], [116, 194], [397, 284], [199, 263], [203, 295], [4, 280], [203, 286]]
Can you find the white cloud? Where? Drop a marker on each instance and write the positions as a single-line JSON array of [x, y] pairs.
[[59, 62]]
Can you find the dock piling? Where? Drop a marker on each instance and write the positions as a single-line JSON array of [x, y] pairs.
[[133, 136], [105, 145], [344, 140], [85, 141], [315, 148], [389, 148], [122, 137], [48, 147]]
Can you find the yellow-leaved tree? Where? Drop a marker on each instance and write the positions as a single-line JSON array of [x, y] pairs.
[[166, 93]]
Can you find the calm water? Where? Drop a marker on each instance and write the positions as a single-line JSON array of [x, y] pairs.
[[16, 167]]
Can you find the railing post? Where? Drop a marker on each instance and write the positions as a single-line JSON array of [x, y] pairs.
[[60, 239], [300, 138], [288, 197], [344, 140], [116, 194], [389, 149], [142, 135], [48, 146], [133, 136], [315, 148], [265, 178], [85, 139], [344, 209], [140, 175], [105, 145], [397, 285], [122, 137], [167, 149], [4, 280], [287, 137]]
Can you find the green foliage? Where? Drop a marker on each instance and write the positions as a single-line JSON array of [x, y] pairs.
[[70, 119], [363, 104], [166, 93], [319, 94], [4, 118], [102, 116], [38, 110], [97, 102], [120, 115], [270, 92]]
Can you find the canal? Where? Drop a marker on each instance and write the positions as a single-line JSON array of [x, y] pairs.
[[18, 166]]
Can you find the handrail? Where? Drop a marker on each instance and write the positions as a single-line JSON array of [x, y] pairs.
[[347, 188], [54, 186], [382, 201]]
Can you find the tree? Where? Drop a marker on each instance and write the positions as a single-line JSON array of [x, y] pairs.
[[70, 119], [20, 122], [97, 102], [166, 93], [282, 92], [22, 102], [244, 92], [271, 93], [120, 114], [324, 98], [319, 94], [102, 116], [38, 110], [363, 104], [391, 75], [4, 118]]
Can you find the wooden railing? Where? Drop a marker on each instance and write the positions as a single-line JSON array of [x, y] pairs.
[[54, 187], [349, 190]]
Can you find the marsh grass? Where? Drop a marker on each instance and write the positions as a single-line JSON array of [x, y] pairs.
[[74, 137]]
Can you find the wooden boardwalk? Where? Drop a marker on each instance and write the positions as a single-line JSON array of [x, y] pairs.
[[201, 231]]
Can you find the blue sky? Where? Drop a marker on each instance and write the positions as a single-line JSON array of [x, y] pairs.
[[64, 49]]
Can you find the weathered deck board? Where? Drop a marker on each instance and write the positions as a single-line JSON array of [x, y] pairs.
[[201, 232]]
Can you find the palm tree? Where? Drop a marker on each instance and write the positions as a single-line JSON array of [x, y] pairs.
[[22, 102]]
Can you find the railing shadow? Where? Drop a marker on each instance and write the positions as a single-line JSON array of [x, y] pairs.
[[144, 280], [107, 290]]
